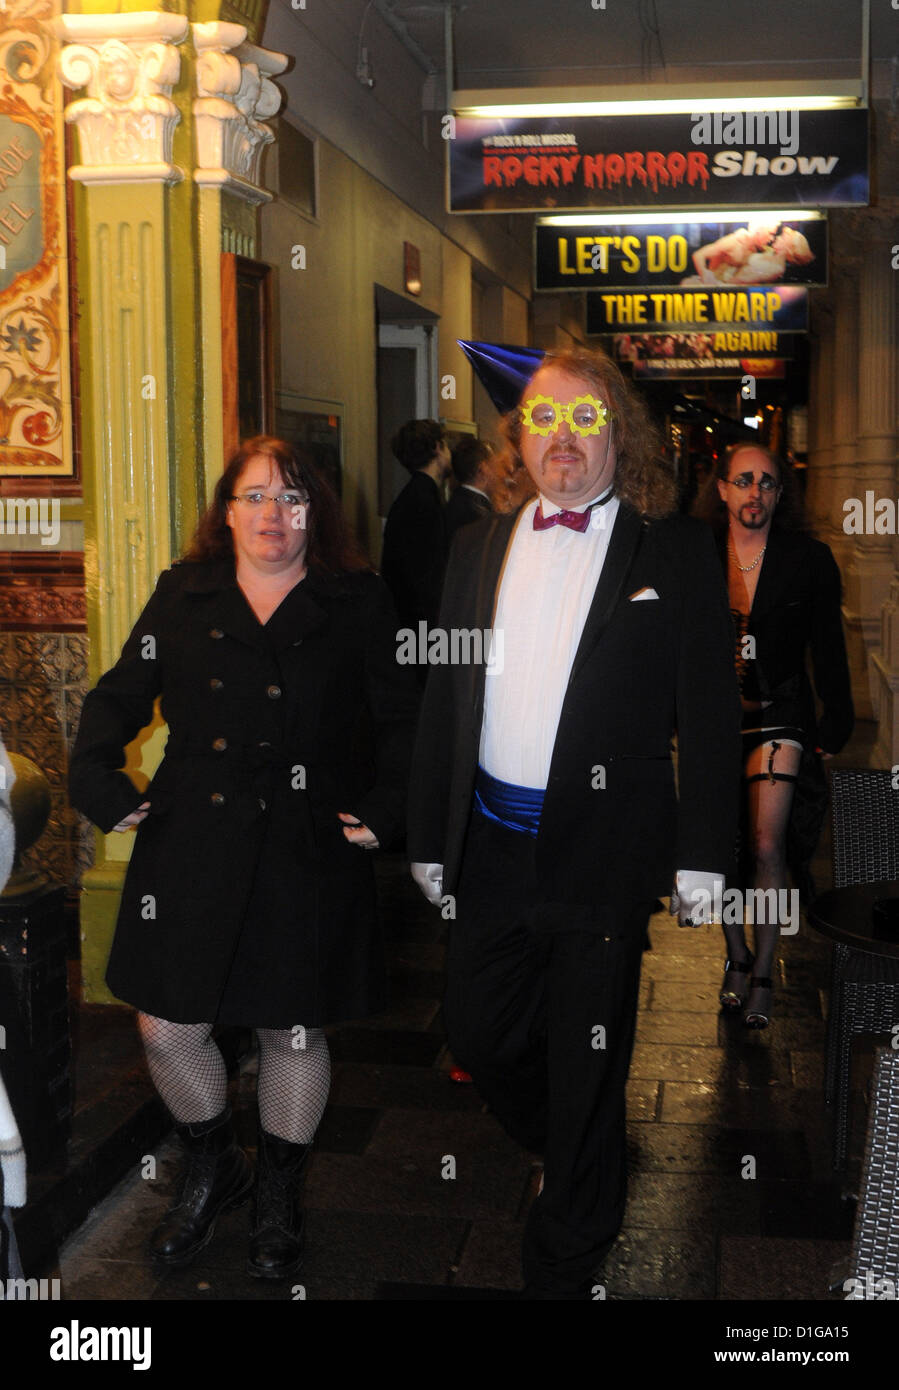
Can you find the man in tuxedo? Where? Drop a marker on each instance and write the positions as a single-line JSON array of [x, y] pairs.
[[413, 556], [472, 460], [543, 812]]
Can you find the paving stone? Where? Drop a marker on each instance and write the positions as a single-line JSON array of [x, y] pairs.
[[681, 996], [644, 1264], [687, 1201], [492, 1256], [775, 1268], [771, 1108], [805, 1209], [704, 1149], [407, 1087], [673, 1062], [426, 1135], [346, 1129], [782, 1033], [347, 1251], [699, 1030], [489, 1184], [642, 1097], [808, 1070], [659, 965], [94, 1279]]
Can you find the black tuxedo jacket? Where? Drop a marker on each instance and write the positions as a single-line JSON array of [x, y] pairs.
[[796, 614], [463, 508], [613, 829], [413, 557]]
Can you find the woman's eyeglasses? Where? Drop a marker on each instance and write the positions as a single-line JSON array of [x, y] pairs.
[[258, 499]]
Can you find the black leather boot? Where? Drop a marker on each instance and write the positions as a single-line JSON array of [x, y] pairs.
[[217, 1176], [276, 1240]]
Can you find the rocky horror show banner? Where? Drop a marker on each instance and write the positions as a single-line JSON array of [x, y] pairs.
[[745, 159]]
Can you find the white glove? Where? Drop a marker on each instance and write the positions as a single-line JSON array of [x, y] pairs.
[[12, 1156], [696, 899], [429, 878]]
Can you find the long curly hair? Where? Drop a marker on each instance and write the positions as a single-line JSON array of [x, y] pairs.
[[642, 477], [331, 547], [789, 514]]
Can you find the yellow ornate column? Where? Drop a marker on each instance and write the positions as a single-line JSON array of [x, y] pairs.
[[129, 64], [170, 135]]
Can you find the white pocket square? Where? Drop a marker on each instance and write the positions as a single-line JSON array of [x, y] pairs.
[[641, 594]]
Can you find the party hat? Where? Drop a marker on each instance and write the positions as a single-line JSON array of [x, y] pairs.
[[503, 369]]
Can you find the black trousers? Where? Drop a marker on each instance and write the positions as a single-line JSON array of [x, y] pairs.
[[540, 1007]]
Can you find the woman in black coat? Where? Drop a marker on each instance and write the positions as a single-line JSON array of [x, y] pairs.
[[784, 589], [249, 899]]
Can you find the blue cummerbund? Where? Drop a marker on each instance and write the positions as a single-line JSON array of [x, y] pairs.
[[517, 808]]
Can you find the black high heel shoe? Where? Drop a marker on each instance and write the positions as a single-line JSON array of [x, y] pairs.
[[757, 1019], [729, 999]]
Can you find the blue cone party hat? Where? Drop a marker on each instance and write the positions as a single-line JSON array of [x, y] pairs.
[[504, 370]]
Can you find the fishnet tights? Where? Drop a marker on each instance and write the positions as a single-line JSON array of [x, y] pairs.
[[189, 1073]]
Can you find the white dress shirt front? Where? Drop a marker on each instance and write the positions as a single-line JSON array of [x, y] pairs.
[[545, 593]]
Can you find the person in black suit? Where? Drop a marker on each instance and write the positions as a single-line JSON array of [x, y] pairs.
[[413, 557], [784, 589], [470, 501], [543, 814]]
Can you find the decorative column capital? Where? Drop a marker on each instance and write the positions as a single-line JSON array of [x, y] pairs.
[[234, 91], [127, 120]]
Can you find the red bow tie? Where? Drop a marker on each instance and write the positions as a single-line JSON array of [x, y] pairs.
[[575, 521]]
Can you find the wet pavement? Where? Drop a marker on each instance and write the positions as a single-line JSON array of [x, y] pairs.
[[731, 1191]]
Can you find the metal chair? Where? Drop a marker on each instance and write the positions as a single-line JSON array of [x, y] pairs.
[[864, 995]]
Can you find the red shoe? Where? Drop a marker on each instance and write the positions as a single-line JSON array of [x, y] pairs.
[[457, 1074]]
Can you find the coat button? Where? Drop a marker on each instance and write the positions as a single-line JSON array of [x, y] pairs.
[[274, 692], [217, 799], [216, 684], [216, 632], [220, 744]]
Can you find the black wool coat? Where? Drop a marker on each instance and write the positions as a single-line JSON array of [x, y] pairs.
[[795, 617], [613, 829], [463, 508], [413, 556], [243, 902]]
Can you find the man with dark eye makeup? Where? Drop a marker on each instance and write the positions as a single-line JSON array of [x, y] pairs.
[[784, 590]]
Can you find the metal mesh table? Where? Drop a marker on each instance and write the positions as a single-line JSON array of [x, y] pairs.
[[874, 1262], [864, 988]]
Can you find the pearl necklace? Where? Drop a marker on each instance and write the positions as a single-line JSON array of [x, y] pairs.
[[744, 569]]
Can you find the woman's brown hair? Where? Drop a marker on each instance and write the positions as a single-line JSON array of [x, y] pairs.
[[331, 547]]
